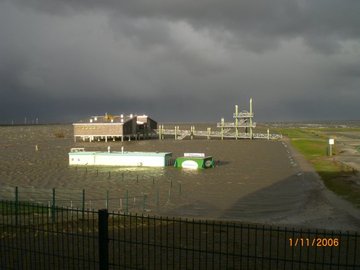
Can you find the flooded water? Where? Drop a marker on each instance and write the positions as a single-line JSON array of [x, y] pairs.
[[256, 181]]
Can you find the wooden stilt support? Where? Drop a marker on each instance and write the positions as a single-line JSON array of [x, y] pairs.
[[222, 128], [251, 120], [236, 122]]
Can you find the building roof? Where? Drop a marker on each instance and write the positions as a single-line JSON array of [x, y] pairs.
[[108, 118]]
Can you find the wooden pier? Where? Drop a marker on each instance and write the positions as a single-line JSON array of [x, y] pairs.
[[225, 134], [229, 130]]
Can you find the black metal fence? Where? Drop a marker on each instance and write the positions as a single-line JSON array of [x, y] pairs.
[[124, 201], [42, 237]]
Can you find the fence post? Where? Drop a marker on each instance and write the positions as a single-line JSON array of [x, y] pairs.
[[127, 202], [16, 205], [53, 205], [83, 203], [144, 202], [103, 239], [107, 200], [157, 198]]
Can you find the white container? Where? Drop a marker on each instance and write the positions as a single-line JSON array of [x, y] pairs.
[[123, 158]]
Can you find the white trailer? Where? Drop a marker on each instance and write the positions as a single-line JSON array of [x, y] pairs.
[[78, 156]]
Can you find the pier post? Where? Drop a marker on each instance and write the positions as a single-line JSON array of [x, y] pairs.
[[159, 132], [208, 133], [236, 122], [192, 131], [222, 128], [175, 132], [268, 134], [251, 119]]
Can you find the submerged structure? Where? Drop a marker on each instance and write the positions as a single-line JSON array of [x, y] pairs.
[[105, 127], [194, 161], [78, 156]]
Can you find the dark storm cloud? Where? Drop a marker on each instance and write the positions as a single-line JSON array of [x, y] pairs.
[[179, 60], [258, 24]]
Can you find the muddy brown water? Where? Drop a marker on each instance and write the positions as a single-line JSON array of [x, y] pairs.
[[254, 181]]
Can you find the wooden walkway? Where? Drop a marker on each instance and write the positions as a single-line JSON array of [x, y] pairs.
[[227, 133]]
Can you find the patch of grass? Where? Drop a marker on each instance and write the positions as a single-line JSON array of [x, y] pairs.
[[310, 148], [313, 143]]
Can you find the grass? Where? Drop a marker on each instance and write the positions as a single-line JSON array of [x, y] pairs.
[[313, 143]]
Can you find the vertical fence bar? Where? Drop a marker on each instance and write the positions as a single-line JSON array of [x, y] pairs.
[[127, 202], [157, 198], [107, 200], [103, 239], [16, 205], [83, 203], [356, 240], [144, 202], [53, 205]]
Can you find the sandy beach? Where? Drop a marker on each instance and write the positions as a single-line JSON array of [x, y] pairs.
[[254, 181]]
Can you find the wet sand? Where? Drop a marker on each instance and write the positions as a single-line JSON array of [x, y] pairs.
[[255, 181]]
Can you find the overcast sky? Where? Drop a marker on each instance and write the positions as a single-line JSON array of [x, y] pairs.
[[179, 60]]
